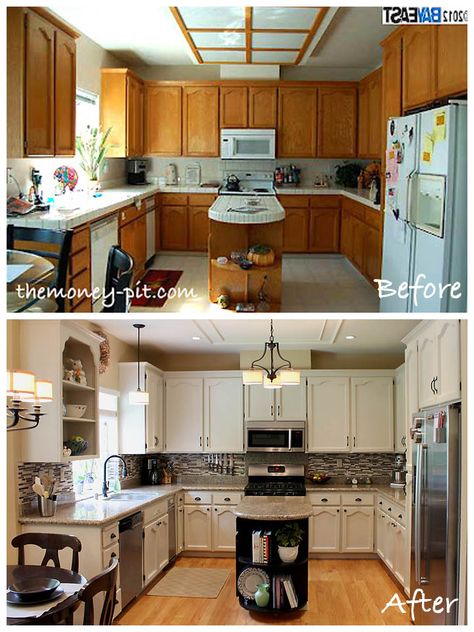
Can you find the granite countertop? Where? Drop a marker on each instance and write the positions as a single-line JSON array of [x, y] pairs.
[[221, 209], [396, 494], [352, 193], [274, 508]]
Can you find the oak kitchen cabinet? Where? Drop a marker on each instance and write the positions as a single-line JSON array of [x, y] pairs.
[[184, 221], [41, 80], [324, 224], [297, 122], [132, 235], [284, 404], [337, 122], [163, 120], [451, 59], [121, 108], [233, 106], [141, 427], [418, 69], [262, 102], [201, 121], [174, 226], [370, 116], [296, 223], [79, 271]]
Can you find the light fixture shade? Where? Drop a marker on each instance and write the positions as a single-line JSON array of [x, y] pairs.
[[21, 384], [289, 377], [252, 376], [43, 391], [269, 384], [139, 397]]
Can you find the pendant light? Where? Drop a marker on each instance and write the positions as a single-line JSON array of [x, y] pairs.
[[138, 396], [276, 376]]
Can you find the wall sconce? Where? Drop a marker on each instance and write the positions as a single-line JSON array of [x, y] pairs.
[[22, 386]]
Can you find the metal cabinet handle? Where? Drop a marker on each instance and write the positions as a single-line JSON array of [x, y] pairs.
[[380, 502], [404, 441], [113, 555], [227, 499], [347, 442], [382, 517], [197, 498], [200, 442], [324, 500], [207, 441], [434, 385], [354, 442], [156, 440], [358, 500], [278, 410], [112, 536], [400, 516], [271, 410], [158, 524], [390, 509]]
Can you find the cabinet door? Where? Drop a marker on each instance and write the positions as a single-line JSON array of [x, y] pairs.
[[418, 65], [363, 119], [180, 530], [150, 552], [451, 59], [389, 541], [262, 107], [223, 528], [411, 389], [427, 367], [201, 121], [128, 242], [183, 415], [162, 543], [391, 80], [358, 242], [140, 247], [134, 117], [39, 86], [380, 518], [372, 400], [233, 107], [197, 528], [295, 230], [163, 120], [372, 253], [400, 410], [346, 234], [325, 530], [154, 384], [375, 116], [337, 122], [174, 227], [357, 530], [65, 95], [291, 402], [400, 557], [223, 400], [259, 403], [324, 230], [448, 361], [328, 414], [296, 123], [198, 228]]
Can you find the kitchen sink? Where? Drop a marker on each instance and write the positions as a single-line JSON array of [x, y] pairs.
[[124, 496]]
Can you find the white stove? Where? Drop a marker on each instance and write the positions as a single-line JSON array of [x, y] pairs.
[[250, 183]]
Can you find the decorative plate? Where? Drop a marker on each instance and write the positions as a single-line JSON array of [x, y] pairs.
[[249, 579]]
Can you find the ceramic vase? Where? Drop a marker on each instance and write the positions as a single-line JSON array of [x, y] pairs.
[[262, 596], [288, 553]]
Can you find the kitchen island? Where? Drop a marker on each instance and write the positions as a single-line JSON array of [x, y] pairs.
[[236, 224], [259, 519]]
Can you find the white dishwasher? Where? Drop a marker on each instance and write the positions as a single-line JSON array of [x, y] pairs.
[[150, 230], [104, 235]]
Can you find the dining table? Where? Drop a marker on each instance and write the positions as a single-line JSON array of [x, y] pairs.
[[26, 270], [59, 613]]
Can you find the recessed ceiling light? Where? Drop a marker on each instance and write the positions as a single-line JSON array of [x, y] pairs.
[[350, 337], [196, 338]]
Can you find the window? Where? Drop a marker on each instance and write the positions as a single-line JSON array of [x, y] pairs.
[[87, 111], [88, 474]]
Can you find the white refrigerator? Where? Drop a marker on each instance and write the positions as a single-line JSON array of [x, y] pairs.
[[425, 223]]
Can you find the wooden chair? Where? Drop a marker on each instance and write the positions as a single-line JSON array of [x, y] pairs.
[[106, 581], [62, 239], [118, 278], [52, 543]]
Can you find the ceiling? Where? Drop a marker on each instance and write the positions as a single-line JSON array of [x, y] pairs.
[[232, 335], [327, 38]]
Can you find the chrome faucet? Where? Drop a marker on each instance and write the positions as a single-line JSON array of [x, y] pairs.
[[105, 485]]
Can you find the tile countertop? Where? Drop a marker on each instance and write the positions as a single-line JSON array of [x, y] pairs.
[[274, 508], [352, 193], [222, 210]]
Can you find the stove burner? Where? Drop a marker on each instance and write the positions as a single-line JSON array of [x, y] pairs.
[[275, 488]]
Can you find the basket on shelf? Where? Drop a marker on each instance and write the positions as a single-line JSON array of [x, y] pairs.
[[77, 445]]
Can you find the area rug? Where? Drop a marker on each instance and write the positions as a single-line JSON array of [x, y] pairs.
[[156, 280], [191, 582]]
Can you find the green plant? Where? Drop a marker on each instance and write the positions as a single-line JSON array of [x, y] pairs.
[[346, 174], [291, 534], [92, 148]]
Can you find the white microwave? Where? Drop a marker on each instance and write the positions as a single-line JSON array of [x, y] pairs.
[[247, 144]]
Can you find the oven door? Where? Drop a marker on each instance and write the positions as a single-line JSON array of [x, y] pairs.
[[264, 438]]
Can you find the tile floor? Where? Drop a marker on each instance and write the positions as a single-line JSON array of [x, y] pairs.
[[311, 283]]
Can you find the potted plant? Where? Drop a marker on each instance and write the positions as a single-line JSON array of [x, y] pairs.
[[288, 538], [92, 148]]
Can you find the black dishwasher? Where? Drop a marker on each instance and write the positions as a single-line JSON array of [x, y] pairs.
[[131, 556]]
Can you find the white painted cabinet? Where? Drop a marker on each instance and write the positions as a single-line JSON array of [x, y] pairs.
[[400, 438], [285, 404], [163, 542], [400, 557], [150, 552], [328, 414], [183, 414], [393, 546], [179, 523], [223, 528], [357, 530], [426, 368], [223, 414], [372, 414], [380, 519], [140, 427], [197, 528], [325, 530]]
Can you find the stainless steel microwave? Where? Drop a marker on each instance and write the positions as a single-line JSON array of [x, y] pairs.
[[265, 437], [247, 144]]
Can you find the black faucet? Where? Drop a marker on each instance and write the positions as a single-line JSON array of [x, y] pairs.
[[105, 485]]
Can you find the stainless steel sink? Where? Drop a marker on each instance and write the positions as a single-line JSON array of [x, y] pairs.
[[124, 496]]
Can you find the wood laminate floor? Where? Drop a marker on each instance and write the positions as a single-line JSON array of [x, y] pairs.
[[341, 592]]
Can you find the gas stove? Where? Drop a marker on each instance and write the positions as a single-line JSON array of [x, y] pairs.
[[250, 183], [275, 480]]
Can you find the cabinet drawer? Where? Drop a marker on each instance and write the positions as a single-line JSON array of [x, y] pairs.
[[373, 218], [357, 498], [201, 199], [80, 281], [79, 262], [80, 240], [392, 509], [354, 208], [198, 498], [325, 201], [294, 201], [154, 511], [129, 213], [226, 498], [110, 535], [174, 199], [321, 498], [110, 553]]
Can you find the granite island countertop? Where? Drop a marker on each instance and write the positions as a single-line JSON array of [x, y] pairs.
[[276, 508]]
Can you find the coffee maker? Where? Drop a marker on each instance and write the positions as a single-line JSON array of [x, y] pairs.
[[136, 171], [399, 471], [152, 473]]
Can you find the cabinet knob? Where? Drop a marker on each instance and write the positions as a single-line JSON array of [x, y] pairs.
[[390, 509], [354, 442], [380, 502], [278, 410], [337, 510], [400, 516], [113, 555], [215, 508], [197, 498], [208, 509], [227, 499], [156, 441], [112, 536], [345, 510], [358, 500], [271, 410], [382, 517], [324, 500]]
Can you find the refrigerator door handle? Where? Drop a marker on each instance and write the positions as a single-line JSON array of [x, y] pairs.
[[409, 218], [418, 513]]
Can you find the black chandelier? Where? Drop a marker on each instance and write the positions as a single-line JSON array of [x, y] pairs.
[[23, 387]]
